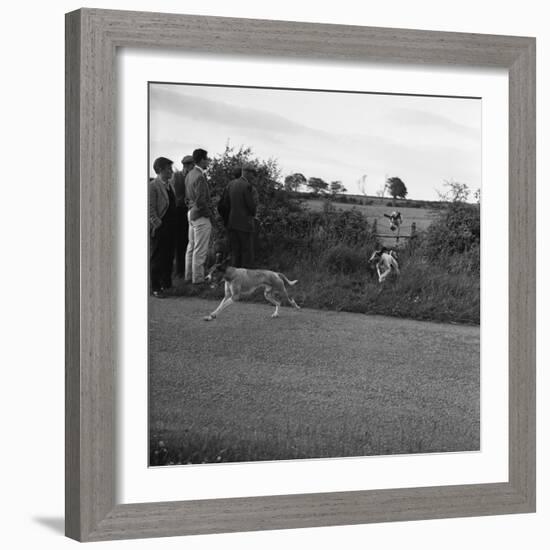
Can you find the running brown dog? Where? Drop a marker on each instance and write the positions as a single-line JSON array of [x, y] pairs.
[[240, 281]]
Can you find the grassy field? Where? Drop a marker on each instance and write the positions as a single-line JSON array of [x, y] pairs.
[[309, 384], [423, 217]]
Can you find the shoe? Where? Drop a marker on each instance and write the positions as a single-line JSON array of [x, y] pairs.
[[158, 293]]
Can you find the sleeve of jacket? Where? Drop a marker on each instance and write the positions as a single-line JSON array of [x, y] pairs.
[[154, 220], [178, 182], [224, 205], [251, 199], [203, 197]]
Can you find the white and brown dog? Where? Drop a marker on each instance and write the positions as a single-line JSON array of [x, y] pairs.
[[386, 261], [240, 281], [395, 220]]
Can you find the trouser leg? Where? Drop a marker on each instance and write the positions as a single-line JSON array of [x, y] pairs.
[[241, 248], [189, 251], [168, 250], [247, 256], [202, 230], [182, 238], [155, 259], [235, 244]]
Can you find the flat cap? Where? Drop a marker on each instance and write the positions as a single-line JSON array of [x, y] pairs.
[[187, 159]]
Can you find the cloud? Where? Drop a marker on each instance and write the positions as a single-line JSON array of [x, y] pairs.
[[422, 119], [420, 146], [269, 126], [199, 109]]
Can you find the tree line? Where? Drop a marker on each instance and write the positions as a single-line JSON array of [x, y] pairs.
[[395, 186]]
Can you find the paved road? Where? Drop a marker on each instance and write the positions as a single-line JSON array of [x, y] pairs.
[[412, 385]]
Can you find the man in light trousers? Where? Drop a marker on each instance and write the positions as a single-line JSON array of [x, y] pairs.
[[199, 215], [182, 228]]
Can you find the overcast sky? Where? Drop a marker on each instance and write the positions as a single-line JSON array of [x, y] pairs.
[[334, 136]]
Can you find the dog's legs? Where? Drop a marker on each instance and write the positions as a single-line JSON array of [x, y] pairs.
[[384, 275], [293, 303], [268, 294], [227, 301], [290, 300], [281, 289]]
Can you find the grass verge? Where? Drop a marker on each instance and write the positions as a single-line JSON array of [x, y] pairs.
[[423, 291]]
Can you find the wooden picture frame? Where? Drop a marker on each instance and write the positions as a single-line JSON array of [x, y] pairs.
[[92, 39]]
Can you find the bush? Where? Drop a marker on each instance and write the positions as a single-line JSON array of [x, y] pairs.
[[344, 259], [297, 232], [456, 231]]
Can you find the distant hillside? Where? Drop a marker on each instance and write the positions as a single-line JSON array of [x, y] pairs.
[[422, 217], [374, 200]]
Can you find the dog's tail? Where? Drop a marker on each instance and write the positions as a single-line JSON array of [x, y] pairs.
[[290, 283]]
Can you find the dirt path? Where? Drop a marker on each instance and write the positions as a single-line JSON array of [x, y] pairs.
[[312, 383]]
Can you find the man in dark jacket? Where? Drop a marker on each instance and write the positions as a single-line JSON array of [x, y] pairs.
[[239, 203], [162, 224]]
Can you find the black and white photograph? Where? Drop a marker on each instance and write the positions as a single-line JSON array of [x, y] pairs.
[[314, 274], [281, 285]]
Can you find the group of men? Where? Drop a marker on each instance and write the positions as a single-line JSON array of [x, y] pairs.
[[181, 217]]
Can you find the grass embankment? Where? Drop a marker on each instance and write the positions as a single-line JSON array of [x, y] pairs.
[[340, 279]]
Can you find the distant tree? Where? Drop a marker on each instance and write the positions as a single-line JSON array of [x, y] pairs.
[[317, 185], [293, 181], [455, 192], [396, 188], [380, 193], [477, 195], [337, 187]]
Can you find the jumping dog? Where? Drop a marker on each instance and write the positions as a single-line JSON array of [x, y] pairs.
[[395, 220]]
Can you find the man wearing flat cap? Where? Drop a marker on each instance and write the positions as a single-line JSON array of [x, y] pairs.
[[182, 229], [197, 196], [162, 224], [239, 202]]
